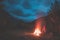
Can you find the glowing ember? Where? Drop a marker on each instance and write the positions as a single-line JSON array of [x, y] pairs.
[[37, 32]]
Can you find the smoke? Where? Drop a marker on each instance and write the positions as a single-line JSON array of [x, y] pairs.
[[28, 10]]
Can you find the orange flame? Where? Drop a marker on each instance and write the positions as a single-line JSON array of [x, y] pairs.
[[37, 31]]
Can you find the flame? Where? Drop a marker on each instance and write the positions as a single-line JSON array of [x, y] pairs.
[[37, 31]]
